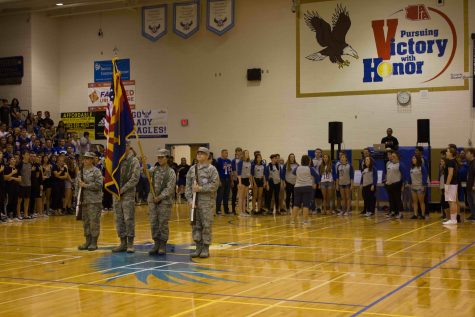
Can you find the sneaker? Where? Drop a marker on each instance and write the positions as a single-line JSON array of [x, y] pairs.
[[363, 213], [421, 217], [27, 218], [9, 220], [305, 223], [35, 215], [243, 214], [398, 216], [16, 219], [340, 213], [426, 216], [369, 214], [450, 222], [390, 215], [414, 217]]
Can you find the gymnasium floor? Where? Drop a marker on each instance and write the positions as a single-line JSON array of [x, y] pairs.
[[260, 266]]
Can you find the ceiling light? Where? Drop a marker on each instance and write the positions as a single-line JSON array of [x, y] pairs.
[[59, 4]]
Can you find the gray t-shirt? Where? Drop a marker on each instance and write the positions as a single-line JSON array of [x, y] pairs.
[[305, 176], [25, 174], [416, 177]]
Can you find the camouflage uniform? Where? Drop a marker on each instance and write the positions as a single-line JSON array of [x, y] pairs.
[[91, 200], [209, 182], [163, 180], [125, 206]]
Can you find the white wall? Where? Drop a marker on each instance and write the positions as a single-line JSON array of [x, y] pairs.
[[15, 38], [45, 64], [226, 111]]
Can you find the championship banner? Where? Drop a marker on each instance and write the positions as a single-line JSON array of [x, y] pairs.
[[154, 22], [98, 94], [220, 16], [186, 18], [80, 122], [375, 47]]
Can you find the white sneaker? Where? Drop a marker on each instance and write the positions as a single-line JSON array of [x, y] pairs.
[[306, 223], [243, 214], [450, 222], [16, 219]]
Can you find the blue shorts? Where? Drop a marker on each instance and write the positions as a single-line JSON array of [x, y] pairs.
[[326, 185]]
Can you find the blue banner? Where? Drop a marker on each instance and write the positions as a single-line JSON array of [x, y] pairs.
[[103, 70], [220, 16]]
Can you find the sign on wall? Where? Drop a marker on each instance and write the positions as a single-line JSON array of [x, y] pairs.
[[103, 70], [98, 94], [151, 123], [383, 46], [154, 22], [220, 16], [80, 122], [186, 18]]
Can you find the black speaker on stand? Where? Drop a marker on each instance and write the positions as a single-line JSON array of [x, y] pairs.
[[423, 137], [335, 136]]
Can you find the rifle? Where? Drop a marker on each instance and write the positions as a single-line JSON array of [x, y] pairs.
[[193, 205], [80, 196]]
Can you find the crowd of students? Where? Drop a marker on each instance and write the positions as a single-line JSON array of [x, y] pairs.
[[39, 163], [325, 187]]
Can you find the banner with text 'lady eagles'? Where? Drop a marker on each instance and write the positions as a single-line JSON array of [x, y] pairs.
[[369, 47]]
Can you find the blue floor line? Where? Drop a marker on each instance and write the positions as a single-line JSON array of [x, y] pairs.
[[415, 278]]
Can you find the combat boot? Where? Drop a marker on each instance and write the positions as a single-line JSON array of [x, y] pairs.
[[86, 244], [162, 250], [93, 245], [155, 248], [122, 247], [199, 247], [130, 245], [205, 251]]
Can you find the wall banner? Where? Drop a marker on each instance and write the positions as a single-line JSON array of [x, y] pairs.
[[80, 122], [98, 94], [220, 16], [186, 18], [151, 123], [154, 22], [103, 70], [373, 47]]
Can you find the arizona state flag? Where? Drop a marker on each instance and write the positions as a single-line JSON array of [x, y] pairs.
[[118, 128]]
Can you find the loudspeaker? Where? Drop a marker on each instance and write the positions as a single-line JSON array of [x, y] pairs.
[[254, 74], [423, 131], [335, 132]]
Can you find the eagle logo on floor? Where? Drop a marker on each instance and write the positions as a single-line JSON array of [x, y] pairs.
[[332, 39], [175, 267]]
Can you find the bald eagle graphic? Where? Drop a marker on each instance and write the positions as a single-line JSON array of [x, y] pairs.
[[331, 38]]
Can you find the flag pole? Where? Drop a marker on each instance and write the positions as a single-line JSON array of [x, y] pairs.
[[144, 165]]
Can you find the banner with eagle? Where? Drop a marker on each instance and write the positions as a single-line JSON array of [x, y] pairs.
[[186, 18], [368, 47], [220, 16], [154, 22]]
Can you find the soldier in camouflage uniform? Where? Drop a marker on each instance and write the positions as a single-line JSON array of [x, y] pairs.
[[160, 205], [205, 185], [124, 207], [90, 180]]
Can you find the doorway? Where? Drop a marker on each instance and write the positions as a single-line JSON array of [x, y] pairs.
[[185, 150]]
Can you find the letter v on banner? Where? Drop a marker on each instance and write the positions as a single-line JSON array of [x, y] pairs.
[[383, 44]]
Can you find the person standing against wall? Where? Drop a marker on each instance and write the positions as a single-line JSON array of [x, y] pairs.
[[418, 182], [235, 181], [290, 179], [451, 184], [470, 156], [224, 167]]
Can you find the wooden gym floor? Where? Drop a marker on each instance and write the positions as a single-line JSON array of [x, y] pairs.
[[260, 266]]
